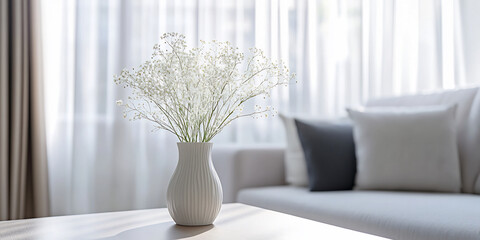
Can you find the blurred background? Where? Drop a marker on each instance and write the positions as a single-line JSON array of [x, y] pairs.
[[343, 52]]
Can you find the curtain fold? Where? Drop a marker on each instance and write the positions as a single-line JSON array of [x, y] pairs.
[[23, 164]]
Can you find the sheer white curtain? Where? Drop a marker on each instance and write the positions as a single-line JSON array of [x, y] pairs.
[[343, 52], [411, 46]]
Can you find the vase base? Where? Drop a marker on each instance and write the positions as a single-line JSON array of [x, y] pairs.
[[193, 225]]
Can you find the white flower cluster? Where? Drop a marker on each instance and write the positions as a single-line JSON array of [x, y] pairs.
[[194, 93]]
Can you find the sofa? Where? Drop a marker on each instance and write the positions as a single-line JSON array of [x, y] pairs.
[[255, 175]]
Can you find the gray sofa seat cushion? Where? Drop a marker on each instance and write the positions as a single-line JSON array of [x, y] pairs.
[[397, 215]]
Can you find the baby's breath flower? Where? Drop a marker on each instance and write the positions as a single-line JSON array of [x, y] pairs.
[[194, 93]]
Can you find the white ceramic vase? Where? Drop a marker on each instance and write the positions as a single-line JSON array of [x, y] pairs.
[[194, 194]]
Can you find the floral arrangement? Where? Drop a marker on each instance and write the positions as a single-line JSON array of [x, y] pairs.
[[194, 93]]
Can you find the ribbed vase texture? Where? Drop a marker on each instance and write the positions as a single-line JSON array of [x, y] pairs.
[[194, 194]]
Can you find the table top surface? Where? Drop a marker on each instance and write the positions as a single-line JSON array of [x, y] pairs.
[[235, 221]]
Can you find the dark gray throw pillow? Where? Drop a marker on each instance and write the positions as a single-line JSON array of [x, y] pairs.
[[330, 154]]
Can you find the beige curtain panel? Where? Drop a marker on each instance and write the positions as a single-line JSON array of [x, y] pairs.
[[23, 163]]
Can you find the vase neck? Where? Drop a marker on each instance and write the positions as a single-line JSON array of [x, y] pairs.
[[194, 152]]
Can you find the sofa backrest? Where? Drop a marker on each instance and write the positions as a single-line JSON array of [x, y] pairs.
[[468, 126]]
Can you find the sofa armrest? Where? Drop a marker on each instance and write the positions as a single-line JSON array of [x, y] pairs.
[[240, 167]]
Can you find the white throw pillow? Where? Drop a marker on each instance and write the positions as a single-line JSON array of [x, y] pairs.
[[406, 149], [295, 164]]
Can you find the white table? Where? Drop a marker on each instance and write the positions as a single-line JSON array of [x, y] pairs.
[[235, 221]]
